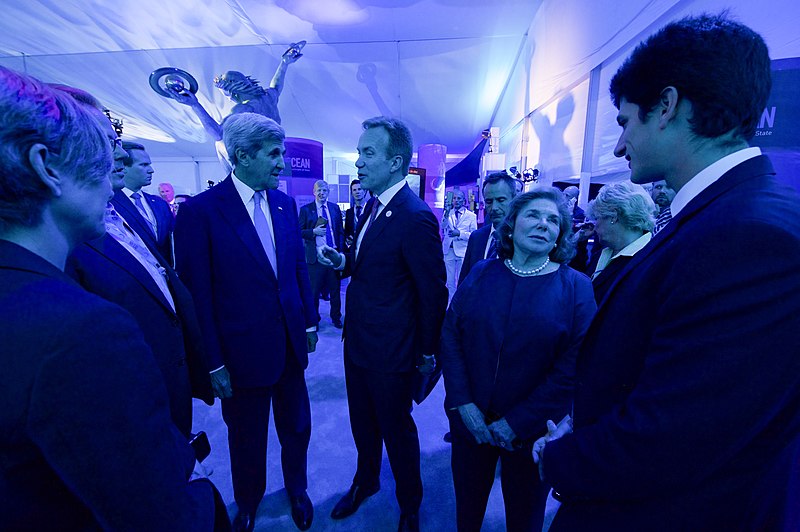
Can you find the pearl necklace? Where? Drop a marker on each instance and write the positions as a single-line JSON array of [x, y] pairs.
[[527, 273]]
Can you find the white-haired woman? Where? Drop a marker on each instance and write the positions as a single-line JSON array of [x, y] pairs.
[[624, 215]]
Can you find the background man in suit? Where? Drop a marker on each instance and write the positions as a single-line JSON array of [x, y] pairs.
[[353, 215], [120, 268], [240, 253], [578, 216], [315, 233], [663, 195], [167, 193], [395, 302], [458, 223], [685, 413], [499, 189], [148, 215], [87, 440]]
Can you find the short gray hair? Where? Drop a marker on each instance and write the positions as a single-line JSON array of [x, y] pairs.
[[629, 202], [248, 132], [33, 113]]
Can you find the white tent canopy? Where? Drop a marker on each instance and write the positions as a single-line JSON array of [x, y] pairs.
[[537, 69]]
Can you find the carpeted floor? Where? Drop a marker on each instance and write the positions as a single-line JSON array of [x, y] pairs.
[[332, 457]]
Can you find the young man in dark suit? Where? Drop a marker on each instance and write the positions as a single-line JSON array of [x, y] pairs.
[[315, 233], [148, 215], [396, 302], [353, 215], [240, 253], [687, 397], [87, 441]]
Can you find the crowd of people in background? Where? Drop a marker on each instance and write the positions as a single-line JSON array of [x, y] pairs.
[[637, 360]]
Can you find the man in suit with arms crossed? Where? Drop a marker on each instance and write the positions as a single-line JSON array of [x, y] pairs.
[[685, 412], [148, 215], [395, 306], [317, 233], [499, 189], [240, 253]]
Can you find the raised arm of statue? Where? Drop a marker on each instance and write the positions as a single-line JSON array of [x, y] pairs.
[[291, 55], [187, 97]]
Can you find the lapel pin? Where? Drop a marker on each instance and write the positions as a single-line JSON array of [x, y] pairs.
[[280, 208], [388, 214]]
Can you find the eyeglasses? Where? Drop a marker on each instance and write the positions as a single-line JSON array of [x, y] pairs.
[[115, 143]]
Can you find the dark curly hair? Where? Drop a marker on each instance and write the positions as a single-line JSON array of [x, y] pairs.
[[722, 67], [565, 247]]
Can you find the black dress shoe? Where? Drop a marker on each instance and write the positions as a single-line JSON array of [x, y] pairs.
[[337, 323], [302, 511], [348, 504], [244, 522], [408, 523]]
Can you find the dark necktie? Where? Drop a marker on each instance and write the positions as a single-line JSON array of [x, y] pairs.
[[374, 213], [260, 221], [358, 215], [491, 253], [663, 219], [328, 237]]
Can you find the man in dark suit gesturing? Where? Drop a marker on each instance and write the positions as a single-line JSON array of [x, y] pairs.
[[148, 215], [239, 251], [321, 224], [395, 306], [687, 395]]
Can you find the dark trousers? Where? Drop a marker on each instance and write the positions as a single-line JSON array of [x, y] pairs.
[[246, 414], [524, 495], [323, 276], [380, 412]]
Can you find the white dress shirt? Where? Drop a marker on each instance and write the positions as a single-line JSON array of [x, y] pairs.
[[246, 194], [384, 199]]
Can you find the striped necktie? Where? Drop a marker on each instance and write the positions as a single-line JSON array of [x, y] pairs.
[[491, 253], [663, 219]]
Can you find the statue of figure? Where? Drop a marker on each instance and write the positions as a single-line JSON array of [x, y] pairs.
[[244, 91]]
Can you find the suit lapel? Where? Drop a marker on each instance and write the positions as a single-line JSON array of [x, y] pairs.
[[125, 206], [112, 250], [233, 211], [160, 223], [384, 218], [756, 166]]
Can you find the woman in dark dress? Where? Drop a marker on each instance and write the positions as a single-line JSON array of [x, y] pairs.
[[509, 344]]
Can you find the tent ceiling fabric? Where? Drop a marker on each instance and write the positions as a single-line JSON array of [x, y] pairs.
[[439, 65], [449, 68]]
